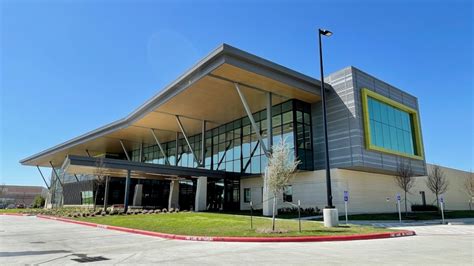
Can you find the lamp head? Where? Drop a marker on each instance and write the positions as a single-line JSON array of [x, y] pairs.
[[325, 32]]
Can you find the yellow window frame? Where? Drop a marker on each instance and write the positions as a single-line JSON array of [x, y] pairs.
[[412, 112]]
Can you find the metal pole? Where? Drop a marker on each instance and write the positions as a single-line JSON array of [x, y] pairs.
[[77, 179], [269, 121], [203, 143], [176, 151], [326, 143], [399, 212], [251, 215], [442, 210], [345, 207], [127, 190], [299, 215], [140, 157]]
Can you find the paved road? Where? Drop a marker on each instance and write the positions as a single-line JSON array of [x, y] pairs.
[[30, 240]]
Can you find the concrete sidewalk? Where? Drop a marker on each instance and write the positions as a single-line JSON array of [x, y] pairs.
[[30, 240], [408, 223]]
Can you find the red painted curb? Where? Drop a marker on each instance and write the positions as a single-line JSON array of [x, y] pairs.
[[240, 239]]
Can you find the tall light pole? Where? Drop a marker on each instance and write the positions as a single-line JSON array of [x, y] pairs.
[[330, 213]]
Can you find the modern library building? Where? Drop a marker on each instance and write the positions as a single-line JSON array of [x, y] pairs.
[[201, 143]]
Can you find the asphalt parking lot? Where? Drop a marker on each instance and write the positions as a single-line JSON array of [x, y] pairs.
[[31, 240]]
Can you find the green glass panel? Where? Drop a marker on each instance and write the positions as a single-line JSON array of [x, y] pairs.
[[287, 117]]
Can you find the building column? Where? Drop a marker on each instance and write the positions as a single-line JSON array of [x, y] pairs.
[[201, 194], [137, 195], [106, 192], [173, 201], [267, 200], [127, 190]]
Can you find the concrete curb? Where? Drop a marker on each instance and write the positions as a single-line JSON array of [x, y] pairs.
[[15, 214], [239, 239]]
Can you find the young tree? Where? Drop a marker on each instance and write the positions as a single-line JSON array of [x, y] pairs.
[[100, 174], [469, 188], [38, 202], [279, 171], [437, 182], [405, 179]]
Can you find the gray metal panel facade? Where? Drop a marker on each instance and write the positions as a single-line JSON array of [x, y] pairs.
[[346, 128]]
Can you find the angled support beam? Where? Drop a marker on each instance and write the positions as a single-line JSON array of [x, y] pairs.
[[186, 139], [223, 156], [125, 150], [88, 154], [42, 176], [77, 179], [245, 85], [252, 120], [160, 147], [251, 156], [187, 117], [56, 174]]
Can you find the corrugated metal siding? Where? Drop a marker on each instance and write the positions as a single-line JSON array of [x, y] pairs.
[[345, 123]]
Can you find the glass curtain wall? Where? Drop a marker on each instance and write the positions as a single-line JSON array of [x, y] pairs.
[[234, 146]]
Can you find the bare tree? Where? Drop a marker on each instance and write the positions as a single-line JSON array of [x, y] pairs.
[[469, 188], [100, 174], [405, 179], [2, 188], [437, 182], [279, 171]]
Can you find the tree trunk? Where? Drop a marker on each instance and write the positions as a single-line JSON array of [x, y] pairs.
[[274, 212], [437, 201], [406, 209]]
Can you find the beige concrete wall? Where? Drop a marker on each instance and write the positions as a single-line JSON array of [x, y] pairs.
[[368, 192], [456, 197]]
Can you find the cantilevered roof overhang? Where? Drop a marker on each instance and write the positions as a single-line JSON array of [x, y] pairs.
[[205, 92]]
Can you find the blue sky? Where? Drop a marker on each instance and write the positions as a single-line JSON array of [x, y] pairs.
[[68, 67]]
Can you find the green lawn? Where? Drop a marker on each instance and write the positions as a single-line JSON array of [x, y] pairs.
[[13, 210], [213, 224], [411, 216]]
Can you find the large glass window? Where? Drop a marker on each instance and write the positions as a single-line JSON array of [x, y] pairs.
[[87, 197], [247, 195], [288, 194], [234, 147], [391, 127]]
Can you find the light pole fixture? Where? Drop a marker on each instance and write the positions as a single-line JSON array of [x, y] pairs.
[[330, 213]]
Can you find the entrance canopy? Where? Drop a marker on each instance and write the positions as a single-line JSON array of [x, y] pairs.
[[206, 92], [118, 168]]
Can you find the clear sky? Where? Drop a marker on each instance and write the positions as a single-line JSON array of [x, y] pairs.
[[68, 67]]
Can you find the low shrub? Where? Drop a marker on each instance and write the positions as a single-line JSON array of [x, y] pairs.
[[304, 211], [419, 208]]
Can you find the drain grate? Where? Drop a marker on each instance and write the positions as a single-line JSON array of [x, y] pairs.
[[90, 259], [37, 242]]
